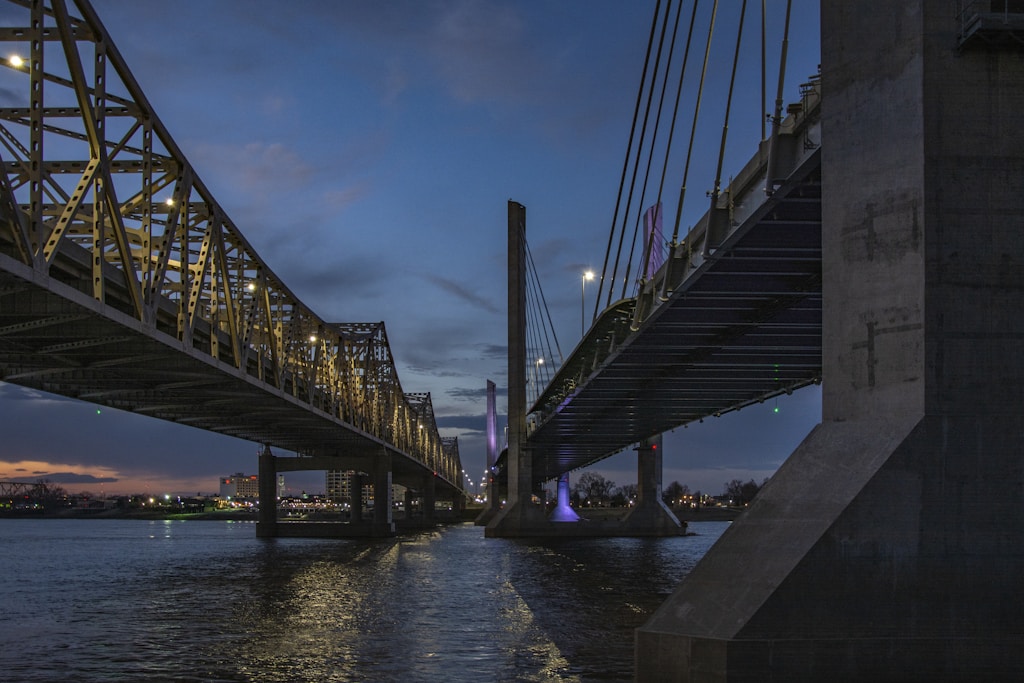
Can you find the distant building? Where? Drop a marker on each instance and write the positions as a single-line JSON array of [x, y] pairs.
[[339, 486], [240, 485]]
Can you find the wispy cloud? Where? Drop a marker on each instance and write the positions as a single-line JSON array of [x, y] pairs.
[[462, 292]]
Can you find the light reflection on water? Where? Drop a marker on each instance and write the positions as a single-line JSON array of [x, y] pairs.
[[127, 600]]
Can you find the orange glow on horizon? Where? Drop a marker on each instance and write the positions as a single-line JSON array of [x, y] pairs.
[[34, 470]]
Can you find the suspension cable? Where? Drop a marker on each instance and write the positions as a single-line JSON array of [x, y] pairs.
[[625, 163], [650, 156], [649, 244], [544, 305], [769, 185], [728, 107], [679, 93], [639, 150], [764, 58], [693, 127]]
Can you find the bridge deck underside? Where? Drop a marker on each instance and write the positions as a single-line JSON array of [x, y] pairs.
[[743, 327], [55, 339]]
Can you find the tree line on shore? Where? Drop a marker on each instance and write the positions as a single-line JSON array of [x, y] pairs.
[[593, 489]]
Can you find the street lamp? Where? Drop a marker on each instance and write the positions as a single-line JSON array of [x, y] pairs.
[[587, 275]]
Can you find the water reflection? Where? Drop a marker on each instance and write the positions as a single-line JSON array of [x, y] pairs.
[[207, 601]]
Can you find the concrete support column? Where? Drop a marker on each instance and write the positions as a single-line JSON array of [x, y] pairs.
[[563, 511], [888, 547], [409, 498], [428, 497], [356, 515], [267, 514], [520, 512], [382, 495], [651, 514]]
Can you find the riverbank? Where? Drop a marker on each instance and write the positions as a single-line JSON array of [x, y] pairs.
[[83, 513], [705, 514], [702, 514], [246, 515]]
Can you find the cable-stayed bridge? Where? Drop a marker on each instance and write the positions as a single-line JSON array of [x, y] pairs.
[[888, 545], [731, 318], [723, 316], [124, 282]]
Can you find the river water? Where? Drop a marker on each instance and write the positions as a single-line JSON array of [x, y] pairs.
[[134, 600]]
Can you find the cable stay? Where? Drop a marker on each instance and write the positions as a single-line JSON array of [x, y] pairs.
[[543, 353], [667, 76], [625, 163]]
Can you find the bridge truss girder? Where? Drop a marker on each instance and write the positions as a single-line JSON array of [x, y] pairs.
[[98, 203]]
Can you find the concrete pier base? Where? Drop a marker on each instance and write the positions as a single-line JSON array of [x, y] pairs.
[[651, 514], [563, 511], [518, 519], [877, 552], [890, 545], [266, 518]]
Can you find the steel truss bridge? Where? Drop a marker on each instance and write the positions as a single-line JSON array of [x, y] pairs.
[[124, 283], [732, 318]]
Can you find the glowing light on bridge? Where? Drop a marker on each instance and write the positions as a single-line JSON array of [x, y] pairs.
[[587, 275], [16, 61]]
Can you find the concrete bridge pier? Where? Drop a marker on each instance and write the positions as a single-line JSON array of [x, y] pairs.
[[563, 511], [428, 498], [651, 515], [410, 498], [356, 484], [266, 517], [890, 545], [520, 514], [383, 499]]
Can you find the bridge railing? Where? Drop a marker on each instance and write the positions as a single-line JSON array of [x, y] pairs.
[[990, 23], [95, 194], [798, 137]]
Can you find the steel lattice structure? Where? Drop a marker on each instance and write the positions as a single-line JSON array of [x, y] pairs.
[[125, 283]]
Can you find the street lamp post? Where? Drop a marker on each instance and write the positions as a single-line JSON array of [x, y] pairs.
[[536, 374], [587, 275]]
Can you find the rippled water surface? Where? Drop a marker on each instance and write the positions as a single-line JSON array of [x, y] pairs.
[[131, 600]]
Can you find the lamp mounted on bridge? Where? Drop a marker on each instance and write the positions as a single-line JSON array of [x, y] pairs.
[[587, 275]]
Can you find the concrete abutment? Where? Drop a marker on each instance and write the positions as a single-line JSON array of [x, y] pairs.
[[890, 545]]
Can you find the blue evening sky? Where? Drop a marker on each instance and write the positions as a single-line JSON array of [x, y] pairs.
[[367, 151]]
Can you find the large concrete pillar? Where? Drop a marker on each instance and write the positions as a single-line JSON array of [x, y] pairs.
[[382, 495], [651, 515], [428, 497], [409, 498], [563, 511], [356, 514], [890, 546], [266, 519], [520, 512]]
